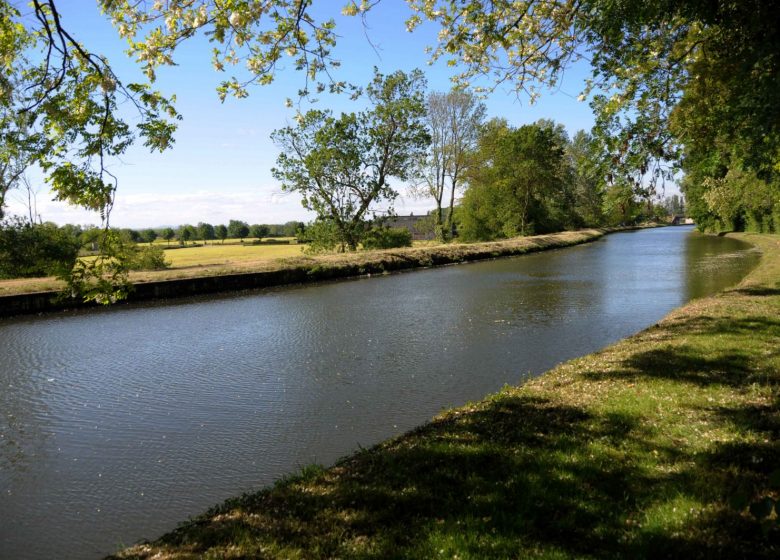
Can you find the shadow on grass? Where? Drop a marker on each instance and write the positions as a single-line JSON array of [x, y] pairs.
[[519, 476], [759, 291], [734, 353]]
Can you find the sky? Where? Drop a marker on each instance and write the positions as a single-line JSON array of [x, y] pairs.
[[220, 166]]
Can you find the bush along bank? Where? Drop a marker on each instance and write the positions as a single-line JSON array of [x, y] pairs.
[[666, 444], [306, 269]]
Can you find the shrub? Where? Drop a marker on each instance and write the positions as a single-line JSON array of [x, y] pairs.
[[387, 238], [148, 258], [29, 250], [321, 236]]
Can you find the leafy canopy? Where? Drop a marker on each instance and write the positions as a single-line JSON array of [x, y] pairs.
[[342, 166]]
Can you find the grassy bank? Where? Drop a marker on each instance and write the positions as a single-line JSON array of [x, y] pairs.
[[665, 444], [36, 295]]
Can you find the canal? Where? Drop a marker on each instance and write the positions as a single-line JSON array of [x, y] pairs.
[[117, 424]]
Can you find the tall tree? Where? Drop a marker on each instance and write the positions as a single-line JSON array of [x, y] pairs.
[[518, 174], [342, 166], [453, 120], [588, 176]]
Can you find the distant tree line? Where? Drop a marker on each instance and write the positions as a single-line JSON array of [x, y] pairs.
[[235, 229], [31, 249]]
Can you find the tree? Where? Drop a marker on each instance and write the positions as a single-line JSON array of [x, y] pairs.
[[131, 235], [149, 235], [221, 232], [206, 231], [168, 234], [59, 107], [238, 229], [291, 229], [453, 120], [674, 205], [29, 250], [588, 176], [341, 166], [185, 233], [258, 231], [620, 204], [514, 184]]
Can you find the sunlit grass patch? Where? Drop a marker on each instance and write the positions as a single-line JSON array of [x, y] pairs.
[[232, 254]]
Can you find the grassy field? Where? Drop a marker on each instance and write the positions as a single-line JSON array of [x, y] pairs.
[[231, 258], [666, 444], [228, 254]]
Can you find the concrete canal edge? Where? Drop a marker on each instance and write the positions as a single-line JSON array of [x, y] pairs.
[[316, 270]]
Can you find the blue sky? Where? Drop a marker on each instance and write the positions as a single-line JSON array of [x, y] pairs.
[[219, 168]]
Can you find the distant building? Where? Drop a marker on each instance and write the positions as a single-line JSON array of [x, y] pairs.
[[416, 225]]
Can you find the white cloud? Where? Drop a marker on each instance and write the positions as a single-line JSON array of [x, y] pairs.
[[141, 210], [151, 209]]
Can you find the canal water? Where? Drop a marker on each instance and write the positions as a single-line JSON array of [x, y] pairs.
[[117, 424]]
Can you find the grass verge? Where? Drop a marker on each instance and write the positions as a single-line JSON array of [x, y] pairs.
[[214, 274], [666, 444]]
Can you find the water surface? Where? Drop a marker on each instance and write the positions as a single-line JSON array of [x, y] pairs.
[[117, 424]]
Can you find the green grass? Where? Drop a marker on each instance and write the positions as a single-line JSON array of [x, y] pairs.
[[654, 447]]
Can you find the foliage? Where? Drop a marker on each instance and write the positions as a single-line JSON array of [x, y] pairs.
[[206, 231], [59, 108], [149, 235], [168, 234], [185, 233], [516, 189], [221, 232], [237, 229], [259, 231], [104, 278], [674, 205], [740, 200], [148, 258], [386, 238], [620, 205], [251, 36], [341, 166], [29, 250], [453, 120], [588, 174], [320, 236]]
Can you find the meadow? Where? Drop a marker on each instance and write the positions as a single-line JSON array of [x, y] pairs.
[[231, 252]]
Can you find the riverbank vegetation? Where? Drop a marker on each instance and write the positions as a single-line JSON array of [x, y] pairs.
[[664, 444], [237, 258]]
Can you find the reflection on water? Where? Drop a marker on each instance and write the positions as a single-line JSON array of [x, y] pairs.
[[116, 424]]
